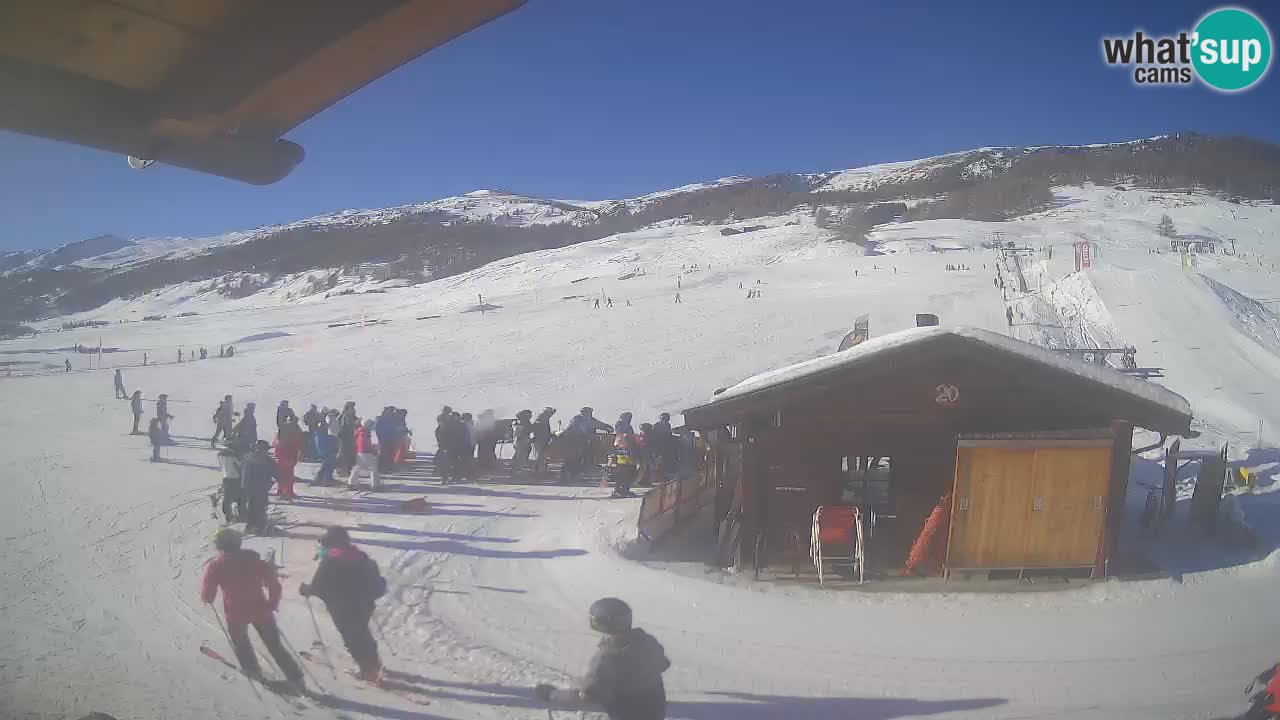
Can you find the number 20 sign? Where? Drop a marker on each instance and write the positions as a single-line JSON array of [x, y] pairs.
[[946, 395]]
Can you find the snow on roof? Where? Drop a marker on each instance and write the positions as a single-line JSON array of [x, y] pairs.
[[868, 351]]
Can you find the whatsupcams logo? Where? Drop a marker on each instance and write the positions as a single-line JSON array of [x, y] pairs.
[[1229, 50]]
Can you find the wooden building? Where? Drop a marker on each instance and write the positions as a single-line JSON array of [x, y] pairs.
[[1033, 446]]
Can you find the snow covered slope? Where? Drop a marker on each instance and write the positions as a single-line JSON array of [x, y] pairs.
[[488, 592]]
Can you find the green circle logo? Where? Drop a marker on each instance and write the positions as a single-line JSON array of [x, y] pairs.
[[1232, 49]]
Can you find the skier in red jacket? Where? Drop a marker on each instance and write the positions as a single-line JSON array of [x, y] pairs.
[[288, 447], [243, 576]]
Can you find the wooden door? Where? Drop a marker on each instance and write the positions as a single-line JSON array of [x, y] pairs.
[[989, 512], [1068, 506]]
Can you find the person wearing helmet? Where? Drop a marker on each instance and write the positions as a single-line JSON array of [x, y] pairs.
[[223, 421], [346, 424], [135, 406], [162, 414], [625, 458], [257, 473], [243, 577], [348, 582], [246, 431], [624, 676], [522, 440], [366, 457], [540, 436], [1266, 703], [664, 446], [579, 435]]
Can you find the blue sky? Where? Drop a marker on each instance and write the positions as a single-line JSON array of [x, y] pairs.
[[588, 99]]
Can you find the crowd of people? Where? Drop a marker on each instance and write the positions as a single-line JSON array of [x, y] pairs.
[[348, 581]]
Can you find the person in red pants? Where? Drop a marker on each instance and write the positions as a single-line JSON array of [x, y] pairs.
[[287, 448]]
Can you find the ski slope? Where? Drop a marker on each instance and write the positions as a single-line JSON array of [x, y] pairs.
[[103, 550]]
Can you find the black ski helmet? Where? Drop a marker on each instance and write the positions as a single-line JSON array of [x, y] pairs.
[[335, 537], [227, 539], [610, 616]]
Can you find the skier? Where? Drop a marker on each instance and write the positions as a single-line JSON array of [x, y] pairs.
[[157, 437], [677, 298], [466, 451], [347, 438], [623, 460], [443, 434], [348, 582], [327, 451], [288, 447], [204, 354], [67, 362], [540, 437], [242, 576], [232, 492], [625, 675], [522, 438], [648, 467], [179, 354], [1266, 704], [246, 431], [135, 404], [609, 302], [257, 472], [486, 434], [223, 418], [162, 414], [312, 419], [366, 457], [284, 414], [581, 432], [120, 391], [663, 448], [144, 359], [404, 437], [385, 429], [597, 304]]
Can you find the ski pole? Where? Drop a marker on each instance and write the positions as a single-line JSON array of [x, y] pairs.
[[320, 640], [305, 668], [227, 635]]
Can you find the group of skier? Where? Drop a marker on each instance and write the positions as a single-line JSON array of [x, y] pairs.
[[646, 456], [624, 677], [346, 580], [342, 442]]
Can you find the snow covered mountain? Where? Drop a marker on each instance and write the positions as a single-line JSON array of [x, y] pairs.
[[444, 237]]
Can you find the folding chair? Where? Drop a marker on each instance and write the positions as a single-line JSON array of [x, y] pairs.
[[837, 539]]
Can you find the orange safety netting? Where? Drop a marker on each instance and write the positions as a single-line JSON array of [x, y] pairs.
[[929, 550]]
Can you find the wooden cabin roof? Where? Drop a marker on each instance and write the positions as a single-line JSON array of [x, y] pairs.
[[209, 85], [1020, 381]]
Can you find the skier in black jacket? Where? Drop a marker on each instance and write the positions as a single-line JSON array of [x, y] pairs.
[[246, 431], [348, 582], [257, 473], [625, 674]]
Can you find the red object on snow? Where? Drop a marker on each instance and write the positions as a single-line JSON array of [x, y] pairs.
[[928, 552], [416, 505]]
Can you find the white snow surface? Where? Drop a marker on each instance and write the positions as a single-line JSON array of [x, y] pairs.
[[103, 550]]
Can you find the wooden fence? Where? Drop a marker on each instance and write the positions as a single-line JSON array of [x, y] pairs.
[[670, 503]]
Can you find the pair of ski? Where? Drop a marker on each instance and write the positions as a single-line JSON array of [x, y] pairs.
[[290, 693], [283, 689], [394, 687]]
